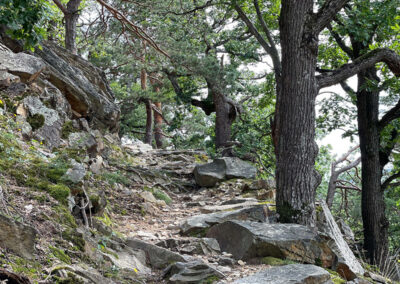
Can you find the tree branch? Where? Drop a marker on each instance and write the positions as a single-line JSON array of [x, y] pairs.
[[341, 42], [61, 6], [389, 116], [326, 13], [387, 182], [139, 32], [391, 58]]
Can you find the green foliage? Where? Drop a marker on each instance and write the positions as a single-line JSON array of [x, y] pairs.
[[67, 129], [59, 192], [36, 121], [25, 19], [116, 177], [60, 254]]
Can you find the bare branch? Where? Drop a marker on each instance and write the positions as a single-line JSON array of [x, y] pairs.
[[327, 12], [389, 116], [139, 32], [391, 58]]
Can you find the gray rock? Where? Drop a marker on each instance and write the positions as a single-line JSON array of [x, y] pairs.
[[205, 246], [200, 223], [228, 207], [17, 237], [96, 164], [157, 257], [84, 85], [194, 272], [289, 274], [50, 131], [208, 175], [20, 64], [82, 140], [128, 259], [347, 264], [246, 240], [76, 173], [347, 232]]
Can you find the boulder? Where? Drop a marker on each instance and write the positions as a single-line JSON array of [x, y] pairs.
[[200, 223], [193, 272], [76, 173], [292, 273], [128, 259], [347, 264], [84, 85], [157, 257], [17, 237], [46, 124], [247, 240], [347, 232], [208, 175], [206, 246]]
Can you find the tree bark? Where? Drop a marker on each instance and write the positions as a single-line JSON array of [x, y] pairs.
[[373, 205], [296, 150], [149, 110], [158, 121]]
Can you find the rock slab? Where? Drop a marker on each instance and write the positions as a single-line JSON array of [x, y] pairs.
[[199, 223], [208, 175], [289, 274], [17, 237], [192, 272], [247, 240], [347, 264]]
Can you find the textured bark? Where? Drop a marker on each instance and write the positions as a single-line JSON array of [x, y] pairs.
[[71, 16], [149, 110], [296, 150], [223, 123], [373, 205], [158, 121]]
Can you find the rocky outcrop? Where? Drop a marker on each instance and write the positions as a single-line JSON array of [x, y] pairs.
[[157, 257], [247, 240], [347, 264], [57, 71], [208, 175], [293, 273], [17, 237], [192, 272], [83, 84], [200, 223]]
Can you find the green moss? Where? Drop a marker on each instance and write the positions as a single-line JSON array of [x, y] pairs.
[[269, 260], [210, 280], [36, 121], [65, 217], [60, 254], [71, 279], [76, 238], [29, 268], [116, 177], [67, 129], [335, 277], [161, 195], [60, 192], [318, 262], [287, 214]]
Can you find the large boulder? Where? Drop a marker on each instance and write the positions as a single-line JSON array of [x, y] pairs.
[[200, 223], [84, 85], [248, 240], [292, 273], [347, 264], [208, 175], [157, 257], [17, 237]]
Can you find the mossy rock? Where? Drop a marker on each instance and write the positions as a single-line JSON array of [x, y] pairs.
[[273, 261], [60, 192], [75, 237], [67, 129], [36, 121], [60, 254]]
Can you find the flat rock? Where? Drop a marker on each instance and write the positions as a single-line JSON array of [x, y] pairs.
[[157, 257], [208, 175], [17, 237], [190, 273], [199, 223], [246, 240], [129, 259], [347, 264], [225, 207], [289, 274]]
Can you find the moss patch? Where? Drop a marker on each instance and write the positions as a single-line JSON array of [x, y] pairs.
[[269, 260], [36, 121], [59, 192], [67, 129], [60, 254]]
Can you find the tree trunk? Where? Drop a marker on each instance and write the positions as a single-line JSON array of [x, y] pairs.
[[71, 18], [158, 120], [296, 150], [149, 110], [373, 205]]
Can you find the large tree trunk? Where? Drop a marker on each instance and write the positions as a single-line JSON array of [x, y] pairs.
[[158, 121], [71, 18], [149, 110], [296, 150], [373, 205]]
